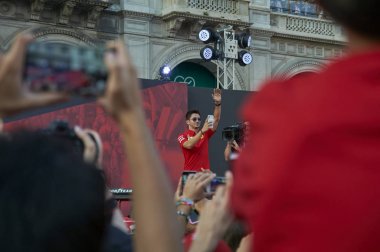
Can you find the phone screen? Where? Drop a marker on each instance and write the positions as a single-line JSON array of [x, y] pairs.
[[193, 218], [64, 68], [184, 176], [215, 182]]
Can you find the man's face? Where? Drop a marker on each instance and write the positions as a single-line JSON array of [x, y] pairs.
[[194, 122]]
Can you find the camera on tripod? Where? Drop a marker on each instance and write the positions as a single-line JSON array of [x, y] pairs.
[[234, 132]]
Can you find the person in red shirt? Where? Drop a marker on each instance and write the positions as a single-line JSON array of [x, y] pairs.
[[308, 177], [194, 141]]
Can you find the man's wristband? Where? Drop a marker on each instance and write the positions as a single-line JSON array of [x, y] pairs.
[[217, 104]]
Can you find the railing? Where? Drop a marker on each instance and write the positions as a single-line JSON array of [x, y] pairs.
[[236, 10], [306, 27], [311, 26], [222, 6]]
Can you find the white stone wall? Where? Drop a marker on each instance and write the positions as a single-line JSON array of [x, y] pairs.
[[282, 44]]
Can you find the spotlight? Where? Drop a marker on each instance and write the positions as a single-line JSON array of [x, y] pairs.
[[207, 35], [244, 58], [244, 40], [208, 53], [165, 72]]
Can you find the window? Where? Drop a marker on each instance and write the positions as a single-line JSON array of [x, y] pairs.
[[301, 8]]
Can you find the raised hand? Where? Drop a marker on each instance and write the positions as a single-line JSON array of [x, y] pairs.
[[123, 88], [217, 96]]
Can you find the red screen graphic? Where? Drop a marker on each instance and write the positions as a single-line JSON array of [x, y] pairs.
[[165, 107]]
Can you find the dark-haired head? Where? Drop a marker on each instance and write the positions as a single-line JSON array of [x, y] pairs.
[[50, 200], [359, 16], [190, 112]]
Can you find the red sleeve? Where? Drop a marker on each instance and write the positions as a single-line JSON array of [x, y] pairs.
[[209, 133], [182, 139]]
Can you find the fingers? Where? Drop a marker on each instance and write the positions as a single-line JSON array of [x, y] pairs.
[[204, 179], [196, 184], [90, 149], [229, 181], [117, 57], [178, 190], [95, 138], [205, 170], [18, 50]]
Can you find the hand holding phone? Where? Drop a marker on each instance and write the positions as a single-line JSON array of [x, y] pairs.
[[194, 184], [210, 120], [64, 68]]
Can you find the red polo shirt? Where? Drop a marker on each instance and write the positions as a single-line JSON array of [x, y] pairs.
[[310, 178], [197, 157]]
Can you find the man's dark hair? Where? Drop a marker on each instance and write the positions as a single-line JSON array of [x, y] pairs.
[[190, 112], [50, 200], [361, 16]]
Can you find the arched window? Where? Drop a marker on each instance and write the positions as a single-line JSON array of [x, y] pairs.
[[193, 74]]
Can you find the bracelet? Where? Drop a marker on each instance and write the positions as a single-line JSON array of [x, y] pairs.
[[180, 213], [218, 104], [185, 201]]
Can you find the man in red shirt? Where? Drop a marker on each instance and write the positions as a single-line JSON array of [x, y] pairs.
[[194, 142], [309, 177]]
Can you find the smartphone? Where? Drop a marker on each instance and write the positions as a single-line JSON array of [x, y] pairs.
[[215, 182], [77, 70], [184, 176], [210, 120], [193, 217]]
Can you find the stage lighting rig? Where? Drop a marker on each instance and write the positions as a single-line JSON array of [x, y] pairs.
[[226, 52], [244, 40], [244, 58], [208, 35], [165, 72], [208, 53]]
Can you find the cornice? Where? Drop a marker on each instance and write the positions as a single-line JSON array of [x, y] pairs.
[[176, 14], [94, 3], [128, 13], [274, 34], [312, 39]]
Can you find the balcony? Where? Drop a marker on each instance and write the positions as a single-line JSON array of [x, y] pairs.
[[194, 14], [308, 28], [224, 9]]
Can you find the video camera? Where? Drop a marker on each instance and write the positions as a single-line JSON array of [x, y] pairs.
[[234, 132]]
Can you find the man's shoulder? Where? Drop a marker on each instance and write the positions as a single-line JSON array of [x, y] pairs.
[[183, 137], [185, 133]]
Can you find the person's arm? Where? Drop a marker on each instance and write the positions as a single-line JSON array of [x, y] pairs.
[[245, 244], [189, 144], [93, 154], [193, 192], [152, 198], [214, 219], [227, 151], [217, 97], [13, 97]]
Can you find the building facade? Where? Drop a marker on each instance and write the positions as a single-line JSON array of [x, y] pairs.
[[288, 37]]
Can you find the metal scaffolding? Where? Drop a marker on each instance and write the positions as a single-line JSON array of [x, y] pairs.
[[226, 66]]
